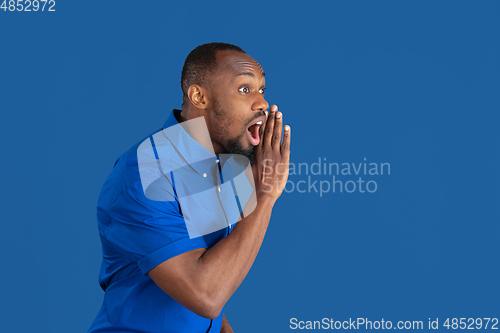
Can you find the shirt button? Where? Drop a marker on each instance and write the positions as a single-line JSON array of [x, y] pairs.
[[218, 188], [216, 161], [204, 174]]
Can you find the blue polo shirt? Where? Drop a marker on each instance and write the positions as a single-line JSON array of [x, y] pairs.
[[165, 196]]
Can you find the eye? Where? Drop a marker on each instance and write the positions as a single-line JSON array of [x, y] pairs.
[[262, 91], [244, 90]]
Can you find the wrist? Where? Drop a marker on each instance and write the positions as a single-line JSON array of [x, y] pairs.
[[266, 200]]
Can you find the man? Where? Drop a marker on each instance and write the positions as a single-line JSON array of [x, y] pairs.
[[173, 252]]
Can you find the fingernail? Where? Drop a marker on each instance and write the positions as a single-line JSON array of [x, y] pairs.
[[287, 128], [274, 108], [278, 115]]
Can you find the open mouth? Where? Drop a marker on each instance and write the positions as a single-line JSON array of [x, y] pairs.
[[253, 133]]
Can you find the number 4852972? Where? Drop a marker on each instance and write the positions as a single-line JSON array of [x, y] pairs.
[[28, 5]]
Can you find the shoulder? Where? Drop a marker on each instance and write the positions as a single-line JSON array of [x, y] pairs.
[[138, 177]]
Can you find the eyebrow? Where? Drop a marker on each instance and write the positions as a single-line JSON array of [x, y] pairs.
[[250, 74]]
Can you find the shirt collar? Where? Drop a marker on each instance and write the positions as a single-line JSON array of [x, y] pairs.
[[200, 158]]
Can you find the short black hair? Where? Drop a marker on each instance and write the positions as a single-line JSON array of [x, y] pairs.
[[200, 64]]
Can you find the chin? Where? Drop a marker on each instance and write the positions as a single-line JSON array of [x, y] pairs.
[[241, 154]]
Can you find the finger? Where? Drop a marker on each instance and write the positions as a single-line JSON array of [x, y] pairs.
[[261, 131], [285, 146], [278, 128], [268, 132]]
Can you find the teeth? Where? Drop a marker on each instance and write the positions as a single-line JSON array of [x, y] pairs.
[[259, 122]]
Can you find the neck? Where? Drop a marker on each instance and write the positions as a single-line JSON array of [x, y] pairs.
[[199, 130]]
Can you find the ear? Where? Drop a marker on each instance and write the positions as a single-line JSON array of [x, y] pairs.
[[198, 96]]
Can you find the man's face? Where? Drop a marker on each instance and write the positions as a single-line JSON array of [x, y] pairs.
[[238, 105]]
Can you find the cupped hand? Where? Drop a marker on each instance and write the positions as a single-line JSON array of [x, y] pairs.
[[272, 156]]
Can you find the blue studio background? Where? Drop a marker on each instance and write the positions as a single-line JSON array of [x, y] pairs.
[[412, 84]]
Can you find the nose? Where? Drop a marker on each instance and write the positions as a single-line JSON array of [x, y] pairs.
[[260, 103]]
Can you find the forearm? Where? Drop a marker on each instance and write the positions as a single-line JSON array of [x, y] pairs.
[[203, 280], [222, 269]]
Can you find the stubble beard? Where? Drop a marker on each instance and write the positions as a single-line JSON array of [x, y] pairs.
[[232, 146]]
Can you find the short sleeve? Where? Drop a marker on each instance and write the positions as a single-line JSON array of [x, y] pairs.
[[147, 232]]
